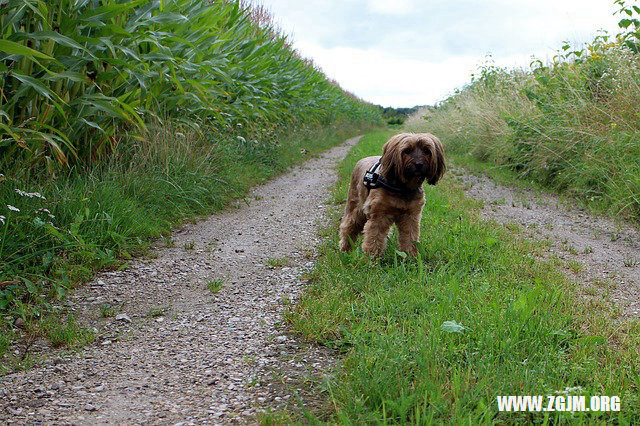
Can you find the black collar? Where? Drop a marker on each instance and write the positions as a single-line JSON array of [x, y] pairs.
[[373, 180]]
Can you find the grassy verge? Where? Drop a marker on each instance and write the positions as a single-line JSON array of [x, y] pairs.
[[62, 230], [476, 316]]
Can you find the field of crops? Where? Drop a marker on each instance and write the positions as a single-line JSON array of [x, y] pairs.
[[571, 125], [80, 79]]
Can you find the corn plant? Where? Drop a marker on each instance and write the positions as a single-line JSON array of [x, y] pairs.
[[81, 79]]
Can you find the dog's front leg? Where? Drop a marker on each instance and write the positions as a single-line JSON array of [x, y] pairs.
[[375, 234], [408, 233]]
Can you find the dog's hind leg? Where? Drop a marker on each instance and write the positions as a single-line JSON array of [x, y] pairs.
[[350, 227], [408, 233], [375, 234]]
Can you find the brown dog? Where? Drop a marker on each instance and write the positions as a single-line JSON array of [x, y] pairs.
[[396, 196]]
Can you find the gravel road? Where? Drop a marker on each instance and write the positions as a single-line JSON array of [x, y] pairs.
[[169, 350], [603, 255]]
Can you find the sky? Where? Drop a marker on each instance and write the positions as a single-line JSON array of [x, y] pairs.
[[403, 53]]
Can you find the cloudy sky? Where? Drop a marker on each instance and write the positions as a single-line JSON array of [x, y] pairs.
[[413, 52]]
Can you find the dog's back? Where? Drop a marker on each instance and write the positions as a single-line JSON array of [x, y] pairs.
[[357, 187]]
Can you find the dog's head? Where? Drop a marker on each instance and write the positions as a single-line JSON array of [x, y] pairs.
[[413, 157]]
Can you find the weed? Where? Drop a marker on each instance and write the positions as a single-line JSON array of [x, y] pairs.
[[513, 227], [215, 286], [190, 245], [69, 333], [591, 291], [157, 312], [277, 417], [575, 266], [168, 241], [107, 311], [600, 283], [278, 262]]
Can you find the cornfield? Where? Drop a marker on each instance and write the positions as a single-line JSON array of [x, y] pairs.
[[81, 79]]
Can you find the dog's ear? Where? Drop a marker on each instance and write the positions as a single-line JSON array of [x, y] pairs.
[[438, 165], [392, 158]]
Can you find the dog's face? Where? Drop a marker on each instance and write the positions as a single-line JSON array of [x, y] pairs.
[[413, 156]]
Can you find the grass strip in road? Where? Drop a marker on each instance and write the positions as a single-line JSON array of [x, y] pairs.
[[479, 314]]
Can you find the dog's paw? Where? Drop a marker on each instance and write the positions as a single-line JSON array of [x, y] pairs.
[[411, 250]]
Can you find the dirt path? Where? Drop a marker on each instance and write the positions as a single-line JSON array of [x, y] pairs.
[[172, 351], [603, 255]]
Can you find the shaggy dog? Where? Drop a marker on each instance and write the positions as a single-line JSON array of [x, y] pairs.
[[408, 159]]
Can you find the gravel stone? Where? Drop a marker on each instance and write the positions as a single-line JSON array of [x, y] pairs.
[[123, 317]]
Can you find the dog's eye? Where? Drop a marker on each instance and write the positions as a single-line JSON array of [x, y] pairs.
[[426, 150], [407, 151]]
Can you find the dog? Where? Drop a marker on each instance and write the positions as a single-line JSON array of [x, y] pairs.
[[388, 189]]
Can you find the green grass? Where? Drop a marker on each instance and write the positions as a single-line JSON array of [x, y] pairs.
[[527, 329], [214, 286], [278, 262], [64, 333], [108, 311], [158, 312]]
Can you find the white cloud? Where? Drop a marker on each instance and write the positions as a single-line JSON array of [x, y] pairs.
[[387, 7], [388, 79]]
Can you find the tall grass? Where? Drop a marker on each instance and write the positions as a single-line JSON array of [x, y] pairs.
[[572, 125], [81, 80]]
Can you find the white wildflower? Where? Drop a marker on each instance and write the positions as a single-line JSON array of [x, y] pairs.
[[30, 194], [2, 218], [570, 390], [13, 209], [47, 211]]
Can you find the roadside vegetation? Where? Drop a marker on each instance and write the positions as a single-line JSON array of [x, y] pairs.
[[478, 314], [119, 120], [571, 125]]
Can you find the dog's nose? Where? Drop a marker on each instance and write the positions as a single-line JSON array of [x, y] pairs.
[[419, 166]]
